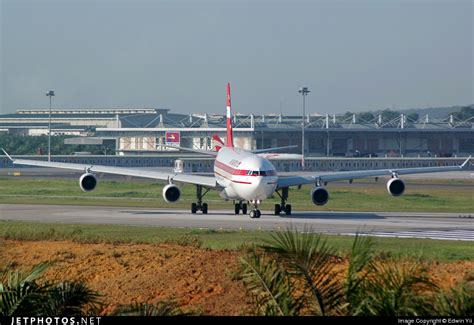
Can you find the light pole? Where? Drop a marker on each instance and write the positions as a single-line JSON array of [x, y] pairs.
[[303, 91], [50, 94]]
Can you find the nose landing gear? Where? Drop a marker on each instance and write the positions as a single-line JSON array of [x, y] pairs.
[[255, 212]]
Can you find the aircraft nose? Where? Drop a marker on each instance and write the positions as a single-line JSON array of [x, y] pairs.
[[260, 188], [258, 181]]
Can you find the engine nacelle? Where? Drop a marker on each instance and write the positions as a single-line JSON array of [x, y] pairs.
[[395, 186], [88, 182], [320, 196], [171, 193]]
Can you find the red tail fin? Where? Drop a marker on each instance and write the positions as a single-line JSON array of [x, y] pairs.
[[218, 143], [230, 137]]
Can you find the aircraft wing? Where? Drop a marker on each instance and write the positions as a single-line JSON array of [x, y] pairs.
[[273, 149], [338, 176], [214, 153], [208, 181], [280, 156], [204, 152]]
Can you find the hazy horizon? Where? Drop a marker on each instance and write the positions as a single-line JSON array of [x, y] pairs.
[[179, 55]]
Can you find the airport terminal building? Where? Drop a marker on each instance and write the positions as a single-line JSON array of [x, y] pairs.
[[146, 131]]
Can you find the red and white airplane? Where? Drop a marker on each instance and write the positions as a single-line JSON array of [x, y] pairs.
[[246, 177]]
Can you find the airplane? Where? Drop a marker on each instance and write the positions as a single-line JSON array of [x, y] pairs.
[[246, 177]]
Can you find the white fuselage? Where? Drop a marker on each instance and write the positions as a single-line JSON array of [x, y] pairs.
[[244, 175]]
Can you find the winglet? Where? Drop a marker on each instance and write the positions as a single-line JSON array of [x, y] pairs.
[[466, 162], [6, 154]]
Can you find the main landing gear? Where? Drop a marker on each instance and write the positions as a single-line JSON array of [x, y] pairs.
[[283, 207], [199, 205], [240, 206]]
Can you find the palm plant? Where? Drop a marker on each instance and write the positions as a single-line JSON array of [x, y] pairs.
[[457, 301], [25, 295], [269, 286], [297, 273], [301, 263], [20, 294], [71, 299], [357, 272], [396, 288]]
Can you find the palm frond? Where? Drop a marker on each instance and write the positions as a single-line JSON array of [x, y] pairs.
[[358, 269], [308, 256], [269, 285], [70, 299], [394, 288], [20, 294], [457, 301], [23, 294]]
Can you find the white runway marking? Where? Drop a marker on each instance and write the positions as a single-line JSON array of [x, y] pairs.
[[465, 235]]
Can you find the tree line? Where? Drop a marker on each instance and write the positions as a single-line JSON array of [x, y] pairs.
[[388, 115]]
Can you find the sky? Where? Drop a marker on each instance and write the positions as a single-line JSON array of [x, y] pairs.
[[352, 55]]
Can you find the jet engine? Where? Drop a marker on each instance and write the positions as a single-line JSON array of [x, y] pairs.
[[171, 193], [395, 186], [88, 182], [320, 196]]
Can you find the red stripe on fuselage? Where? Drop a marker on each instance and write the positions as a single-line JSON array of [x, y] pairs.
[[239, 172], [229, 169], [234, 181]]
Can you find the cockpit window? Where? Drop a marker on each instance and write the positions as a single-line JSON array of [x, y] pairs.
[[261, 173]]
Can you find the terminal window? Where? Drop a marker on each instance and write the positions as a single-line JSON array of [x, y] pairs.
[[466, 145], [316, 143]]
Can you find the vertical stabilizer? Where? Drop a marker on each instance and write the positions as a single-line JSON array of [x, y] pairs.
[[230, 137]]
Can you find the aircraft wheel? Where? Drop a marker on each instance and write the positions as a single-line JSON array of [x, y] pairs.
[[288, 209], [237, 208], [204, 208], [277, 209], [244, 208], [252, 214], [193, 208], [257, 213]]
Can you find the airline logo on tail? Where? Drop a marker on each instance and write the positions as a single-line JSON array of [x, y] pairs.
[[230, 137]]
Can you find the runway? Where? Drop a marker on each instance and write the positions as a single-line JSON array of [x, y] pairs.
[[449, 226]]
